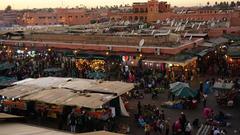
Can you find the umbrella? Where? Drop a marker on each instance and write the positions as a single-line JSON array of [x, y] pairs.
[[6, 65], [177, 85], [7, 81], [184, 92]]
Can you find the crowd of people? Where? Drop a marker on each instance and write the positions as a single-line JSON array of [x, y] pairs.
[[153, 120]]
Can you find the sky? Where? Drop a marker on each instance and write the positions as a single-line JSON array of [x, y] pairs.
[[29, 4]]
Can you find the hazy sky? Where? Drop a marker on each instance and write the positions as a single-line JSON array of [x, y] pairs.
[[20, 4]]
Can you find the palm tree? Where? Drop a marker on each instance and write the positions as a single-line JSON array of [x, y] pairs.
[[8, 8], [208, 3]]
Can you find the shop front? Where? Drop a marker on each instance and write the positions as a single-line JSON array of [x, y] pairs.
[[174, 70]]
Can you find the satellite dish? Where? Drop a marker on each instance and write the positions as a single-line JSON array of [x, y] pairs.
[[158, 21], [141, 43]]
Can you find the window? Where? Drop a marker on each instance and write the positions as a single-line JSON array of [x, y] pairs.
[[76, 16], [41, 17]]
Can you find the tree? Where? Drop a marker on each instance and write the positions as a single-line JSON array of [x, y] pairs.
[[232, 4], [208, 3], [8, 8], [238, 3]]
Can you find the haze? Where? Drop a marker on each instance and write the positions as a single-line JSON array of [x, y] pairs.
[[29, 4]]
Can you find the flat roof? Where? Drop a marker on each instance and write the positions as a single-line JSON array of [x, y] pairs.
[[8, 116], [68, 91], [25, 129]]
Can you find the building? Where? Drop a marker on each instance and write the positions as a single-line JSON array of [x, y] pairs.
[[75, 16], [9, 18], [154, 10]]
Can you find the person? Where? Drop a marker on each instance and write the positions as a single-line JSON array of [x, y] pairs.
[[160, 126], [167, 127], [139, 108], [216, 131], [162, 115], [147, 129], [204, 100], [196, 123], [183, 121], [72, 121], [188, 128]]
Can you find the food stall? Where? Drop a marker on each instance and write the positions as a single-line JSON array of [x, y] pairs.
[[225, 93], [185, 97]]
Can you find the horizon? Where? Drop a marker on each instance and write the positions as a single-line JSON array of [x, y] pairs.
[[28, 4]]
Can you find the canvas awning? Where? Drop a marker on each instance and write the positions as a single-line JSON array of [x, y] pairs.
[[177, 85], [113, 87], [19, 91], [68, 97], [181, 63], [223, 86], [67, 91], [181, 89]]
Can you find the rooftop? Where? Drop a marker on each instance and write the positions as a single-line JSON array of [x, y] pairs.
[[67, 91]]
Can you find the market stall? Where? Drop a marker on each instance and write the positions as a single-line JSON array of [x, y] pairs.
[[185, 97], [52, 94], [225, 93]]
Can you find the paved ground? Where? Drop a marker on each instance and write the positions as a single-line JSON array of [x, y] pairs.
[[174, 114]]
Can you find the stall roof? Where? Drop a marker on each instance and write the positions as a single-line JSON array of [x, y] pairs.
[[46, 82], [19, 91], [113, 87], [8, 116], [68, 97], [68, 91], [218, 41], [207, 44], [24, 129], [223, 86]]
